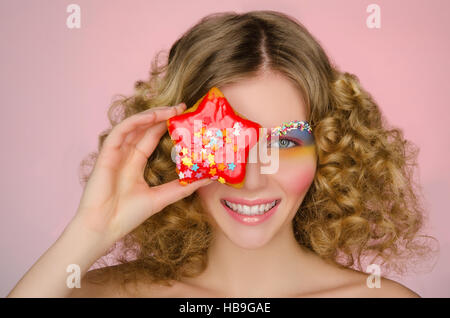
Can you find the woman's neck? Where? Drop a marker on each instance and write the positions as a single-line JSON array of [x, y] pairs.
[[280, 267]]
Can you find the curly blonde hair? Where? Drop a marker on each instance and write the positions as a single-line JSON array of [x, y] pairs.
[[363, 200]]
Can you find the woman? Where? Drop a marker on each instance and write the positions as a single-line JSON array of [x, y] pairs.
[[348, 200]]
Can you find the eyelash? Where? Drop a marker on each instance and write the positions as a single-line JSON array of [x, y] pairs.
[[296, 143]]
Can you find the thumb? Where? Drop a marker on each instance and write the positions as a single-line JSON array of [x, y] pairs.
[[173, 191]]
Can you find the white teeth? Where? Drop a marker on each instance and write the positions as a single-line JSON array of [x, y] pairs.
[[251, 209]]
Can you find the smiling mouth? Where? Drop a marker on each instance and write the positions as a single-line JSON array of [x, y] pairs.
[[251, 210]]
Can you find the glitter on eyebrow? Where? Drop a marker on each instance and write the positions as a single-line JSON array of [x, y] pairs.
[[295, 124]]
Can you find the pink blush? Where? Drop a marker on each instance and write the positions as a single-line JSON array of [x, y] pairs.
[[299, 182], [295, 176]]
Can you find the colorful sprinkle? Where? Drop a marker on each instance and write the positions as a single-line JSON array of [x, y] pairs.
[[187, 161], [212, 141], [198, 175], [295, 124]]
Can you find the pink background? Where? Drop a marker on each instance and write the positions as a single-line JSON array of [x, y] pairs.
[[57, 83]]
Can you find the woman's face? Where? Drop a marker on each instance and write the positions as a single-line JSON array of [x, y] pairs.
[[269, 100]]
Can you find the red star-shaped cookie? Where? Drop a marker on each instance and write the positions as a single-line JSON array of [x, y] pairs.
[[212, 141]]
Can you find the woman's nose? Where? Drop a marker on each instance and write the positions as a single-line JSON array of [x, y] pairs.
[[254, 179]]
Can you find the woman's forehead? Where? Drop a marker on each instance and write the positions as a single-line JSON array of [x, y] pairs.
[[268, 100]]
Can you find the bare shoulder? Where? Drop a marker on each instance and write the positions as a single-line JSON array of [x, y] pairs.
[[343, 282], [365, 286], [387, 289]]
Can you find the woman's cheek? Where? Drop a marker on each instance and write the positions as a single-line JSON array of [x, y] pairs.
[[206, 194], [297, 167]]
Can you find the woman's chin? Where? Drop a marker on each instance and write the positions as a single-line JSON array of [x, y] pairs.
[[248, 238]]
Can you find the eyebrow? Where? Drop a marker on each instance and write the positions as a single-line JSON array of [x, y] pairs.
[[297, 129], [287, 126]]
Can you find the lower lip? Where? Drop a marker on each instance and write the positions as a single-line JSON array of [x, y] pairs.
[[251, 219]]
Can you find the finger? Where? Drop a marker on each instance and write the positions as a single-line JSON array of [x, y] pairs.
[[173, 191], [118, 134], [147, 144], [109, 156], [134, 137], [180, 108]]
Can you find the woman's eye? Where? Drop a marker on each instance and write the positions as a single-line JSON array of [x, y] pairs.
[[283, 143]]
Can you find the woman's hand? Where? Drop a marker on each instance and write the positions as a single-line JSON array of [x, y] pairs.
[[116, 198]]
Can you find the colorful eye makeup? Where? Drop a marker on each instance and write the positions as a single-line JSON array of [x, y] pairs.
[[293, 133], [297, 155]]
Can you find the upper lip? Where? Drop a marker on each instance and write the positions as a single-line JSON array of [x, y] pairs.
[[250, 202]]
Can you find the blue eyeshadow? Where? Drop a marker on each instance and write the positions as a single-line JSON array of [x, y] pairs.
[[297, 129], [304, 136]]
